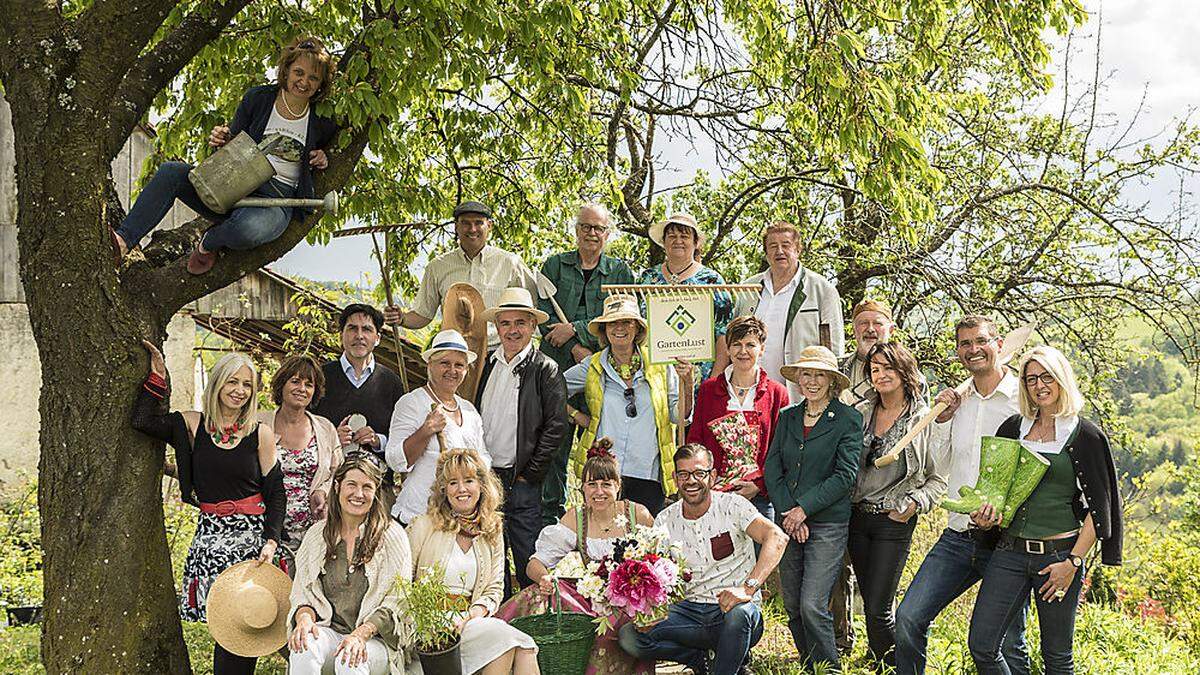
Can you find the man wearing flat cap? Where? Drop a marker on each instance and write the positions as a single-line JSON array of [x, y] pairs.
[[489, 269], [871, 321]]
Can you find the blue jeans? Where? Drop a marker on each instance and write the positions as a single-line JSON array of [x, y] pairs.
[[691, 629], [1004, 594], [807, 574], [241, 229], [952, 566]]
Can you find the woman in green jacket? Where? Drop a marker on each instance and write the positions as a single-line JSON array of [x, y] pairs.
[[810, 470]]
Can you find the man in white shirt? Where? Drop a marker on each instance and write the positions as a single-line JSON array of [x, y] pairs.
[[958, 558], [522, 399], [800, 307], [717, 531], [488, 268]]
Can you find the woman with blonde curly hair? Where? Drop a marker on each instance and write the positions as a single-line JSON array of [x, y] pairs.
[[462, 532]]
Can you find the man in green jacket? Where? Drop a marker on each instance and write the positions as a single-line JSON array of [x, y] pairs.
[[578, 276]]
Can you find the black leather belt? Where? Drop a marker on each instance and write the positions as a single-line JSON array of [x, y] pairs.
[[868, 507], [1035, 546]]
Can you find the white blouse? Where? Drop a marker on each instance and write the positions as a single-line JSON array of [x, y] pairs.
[[462, 568], [1063, 428], [557, 540], [408, 416]]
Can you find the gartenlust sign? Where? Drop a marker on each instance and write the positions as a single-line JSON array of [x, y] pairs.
[[681, 326]]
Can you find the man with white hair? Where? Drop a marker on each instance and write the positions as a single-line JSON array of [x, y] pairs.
[[578, 276]]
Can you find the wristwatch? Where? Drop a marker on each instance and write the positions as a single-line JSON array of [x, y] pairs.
[[1075, 560], [752, 584]]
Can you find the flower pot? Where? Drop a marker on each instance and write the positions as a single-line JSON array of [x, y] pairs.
[[24, 616], [445, 662]]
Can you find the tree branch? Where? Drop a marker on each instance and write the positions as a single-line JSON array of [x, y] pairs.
[[155, 69]]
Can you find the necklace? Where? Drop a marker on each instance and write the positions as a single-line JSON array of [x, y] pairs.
[[293, 113], [674, 277], [226, 434], [626, 370], [814, 414], [442, 405]]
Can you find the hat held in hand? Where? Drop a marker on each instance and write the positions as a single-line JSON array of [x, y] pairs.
[[248, 608]]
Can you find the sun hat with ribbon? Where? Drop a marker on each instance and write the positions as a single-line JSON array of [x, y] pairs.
[[616, 308], [448, 340], [815, 357], [657, 230], [248, 607], [515, 299]]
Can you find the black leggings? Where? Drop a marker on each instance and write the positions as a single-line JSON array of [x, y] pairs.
[[878, 547], [227, 663]]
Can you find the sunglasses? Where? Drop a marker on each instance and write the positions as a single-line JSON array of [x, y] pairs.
[[365, 456], [630, 406]]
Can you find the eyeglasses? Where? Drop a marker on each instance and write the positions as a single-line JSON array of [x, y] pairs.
[[977, 342], [594, 229], [1032, 380], [698, 474], [630, 406]]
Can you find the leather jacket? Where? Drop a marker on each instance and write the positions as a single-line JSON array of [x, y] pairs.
[[541, 412]]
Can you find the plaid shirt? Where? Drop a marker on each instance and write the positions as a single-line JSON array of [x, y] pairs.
[[563, 269]]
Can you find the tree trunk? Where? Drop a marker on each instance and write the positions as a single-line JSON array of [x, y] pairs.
[[109, 597]]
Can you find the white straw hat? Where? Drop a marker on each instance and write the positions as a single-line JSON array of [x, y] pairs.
[[515, 299], [247, 608], [448, 340], [616, 308], [815, 357], [686, 219]]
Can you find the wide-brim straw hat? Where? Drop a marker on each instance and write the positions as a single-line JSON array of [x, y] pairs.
[[515, 299], [815, 357], [448, 341], [657, 230], [617, 308], [247, 608]]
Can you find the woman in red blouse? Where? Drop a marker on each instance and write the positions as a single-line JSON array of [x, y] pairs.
[[736, 412]]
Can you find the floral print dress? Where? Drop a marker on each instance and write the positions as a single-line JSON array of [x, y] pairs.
[[299, 467]]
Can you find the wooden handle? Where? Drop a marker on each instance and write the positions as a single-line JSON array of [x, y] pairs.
[[441, 435], [562, 317], [884, 460]]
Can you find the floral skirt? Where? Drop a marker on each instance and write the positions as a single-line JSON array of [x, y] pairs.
[[219, 543], [607, 656]]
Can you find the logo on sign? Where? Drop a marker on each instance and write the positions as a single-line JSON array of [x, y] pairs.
[[681, 320]]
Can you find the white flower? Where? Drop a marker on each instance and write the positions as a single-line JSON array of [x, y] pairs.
[[621, 521]]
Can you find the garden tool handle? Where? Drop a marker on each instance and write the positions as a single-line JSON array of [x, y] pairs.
[[938, 409], [441, 435], [562, 317]]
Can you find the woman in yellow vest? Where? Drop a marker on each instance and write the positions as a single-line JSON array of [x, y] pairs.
[[632, 401]]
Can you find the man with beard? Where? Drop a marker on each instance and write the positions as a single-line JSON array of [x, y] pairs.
[[717, 532], [871, 322], [958, 558]]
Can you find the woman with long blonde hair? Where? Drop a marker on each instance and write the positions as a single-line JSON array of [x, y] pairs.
[[463, 533], [343, 613], [227, 466]]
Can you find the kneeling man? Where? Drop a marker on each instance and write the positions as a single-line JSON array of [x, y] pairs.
[[717, 531]]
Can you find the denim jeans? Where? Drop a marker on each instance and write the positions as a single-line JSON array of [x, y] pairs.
[[952, 566], [1004, 594], [878, 549], [691, 629], [240, 229], [807, 574], [522, 522]]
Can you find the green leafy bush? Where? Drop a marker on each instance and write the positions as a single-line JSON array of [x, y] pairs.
[[427, 610], [20, 549]]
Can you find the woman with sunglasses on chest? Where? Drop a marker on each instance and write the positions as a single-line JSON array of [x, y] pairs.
[[634, 403], [886, 500], [1075, 504]]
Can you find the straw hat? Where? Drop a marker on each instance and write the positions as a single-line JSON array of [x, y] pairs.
[[515, 299], [248, 608], [448, 341], [616, 308], [685, 219], [815, 357]]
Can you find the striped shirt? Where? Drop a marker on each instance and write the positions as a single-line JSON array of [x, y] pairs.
[[490, 272]]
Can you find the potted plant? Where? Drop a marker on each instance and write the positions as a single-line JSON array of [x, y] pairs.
[[430, 619]]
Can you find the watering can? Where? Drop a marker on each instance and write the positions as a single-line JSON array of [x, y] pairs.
[[234, 171]]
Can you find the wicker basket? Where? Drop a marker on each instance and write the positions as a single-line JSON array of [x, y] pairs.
[[564, 639]]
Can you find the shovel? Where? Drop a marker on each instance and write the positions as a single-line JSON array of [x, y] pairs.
[[1014, 342]]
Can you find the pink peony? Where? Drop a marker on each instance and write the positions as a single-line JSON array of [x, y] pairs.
[[666, 571], [635, 587]]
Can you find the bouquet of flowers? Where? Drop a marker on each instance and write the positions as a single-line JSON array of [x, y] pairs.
[[642, 577], [739, 439]]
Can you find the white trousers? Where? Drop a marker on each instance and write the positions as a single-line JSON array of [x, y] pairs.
[[318, 658]]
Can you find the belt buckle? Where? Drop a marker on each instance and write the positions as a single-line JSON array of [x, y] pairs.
[[226, 508], [1031, 544]]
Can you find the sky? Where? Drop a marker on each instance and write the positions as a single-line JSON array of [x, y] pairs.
[[1149, 59]]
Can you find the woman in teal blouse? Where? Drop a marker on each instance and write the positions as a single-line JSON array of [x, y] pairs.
[[810, 470]]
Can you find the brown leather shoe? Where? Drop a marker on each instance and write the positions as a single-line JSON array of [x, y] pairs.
[[118, 247], [199, 263]]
